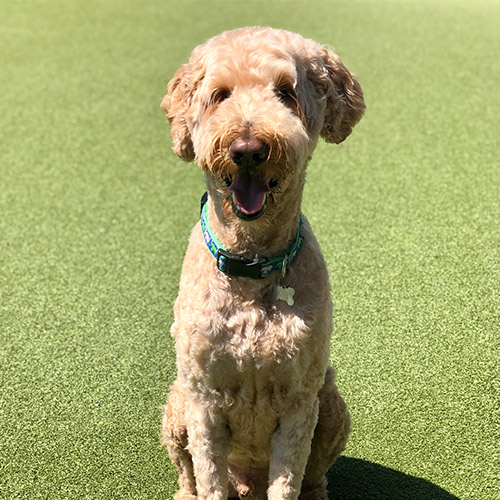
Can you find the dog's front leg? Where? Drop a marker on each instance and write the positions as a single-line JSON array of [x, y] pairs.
[[291, 448], [208, 445]]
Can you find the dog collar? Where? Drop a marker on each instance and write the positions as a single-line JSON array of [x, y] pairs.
[[237, 265]]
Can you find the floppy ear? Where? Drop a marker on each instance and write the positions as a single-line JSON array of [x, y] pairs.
[[345, 105], [176, 104]]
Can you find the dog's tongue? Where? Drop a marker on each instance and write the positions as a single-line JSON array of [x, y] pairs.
[[249, 191]]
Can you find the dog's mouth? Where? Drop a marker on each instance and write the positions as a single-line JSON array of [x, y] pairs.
[[249, 194]]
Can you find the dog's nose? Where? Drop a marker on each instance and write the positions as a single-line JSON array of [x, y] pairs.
[[248, 152]]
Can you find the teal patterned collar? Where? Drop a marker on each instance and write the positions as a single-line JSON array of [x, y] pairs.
[[237, 265]]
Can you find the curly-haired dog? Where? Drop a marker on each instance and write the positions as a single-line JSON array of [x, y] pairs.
[[255, 411]]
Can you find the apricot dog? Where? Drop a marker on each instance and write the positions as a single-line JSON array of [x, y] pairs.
[[255, 411]]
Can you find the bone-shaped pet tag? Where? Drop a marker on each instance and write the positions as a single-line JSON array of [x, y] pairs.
[[286, 294]]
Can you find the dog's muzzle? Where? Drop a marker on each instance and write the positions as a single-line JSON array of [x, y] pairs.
[[249, 190]]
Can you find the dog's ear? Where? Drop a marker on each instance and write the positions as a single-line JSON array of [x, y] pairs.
[[344, 97], [176, 104]]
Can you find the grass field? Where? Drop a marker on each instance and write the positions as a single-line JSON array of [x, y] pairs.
[[95, 211]]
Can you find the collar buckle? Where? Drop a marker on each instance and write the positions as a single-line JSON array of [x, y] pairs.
[[237, 265]]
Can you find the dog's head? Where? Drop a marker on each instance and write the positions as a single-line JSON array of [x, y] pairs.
[[250, 105]]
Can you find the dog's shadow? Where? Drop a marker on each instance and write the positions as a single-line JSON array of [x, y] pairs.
[[356, 479]]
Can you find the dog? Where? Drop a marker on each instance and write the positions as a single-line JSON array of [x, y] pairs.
[[254, 411]]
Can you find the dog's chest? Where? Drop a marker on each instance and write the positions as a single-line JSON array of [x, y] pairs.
[[256, 336], [244, 339], [258, 370]]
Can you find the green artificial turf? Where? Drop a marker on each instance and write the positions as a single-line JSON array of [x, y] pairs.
[[95, 211]]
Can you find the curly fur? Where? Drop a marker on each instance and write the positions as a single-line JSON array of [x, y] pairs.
[[255, 411]]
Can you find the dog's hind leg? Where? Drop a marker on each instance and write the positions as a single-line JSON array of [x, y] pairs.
[[330, 437], [175, 437]]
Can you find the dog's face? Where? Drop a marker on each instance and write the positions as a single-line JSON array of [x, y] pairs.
[[250, 106]]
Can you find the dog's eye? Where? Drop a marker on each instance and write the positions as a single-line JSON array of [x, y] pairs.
[[219, 95], [287, 95]]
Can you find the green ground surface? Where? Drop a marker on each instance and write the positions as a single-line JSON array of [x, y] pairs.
[[95, 211]]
